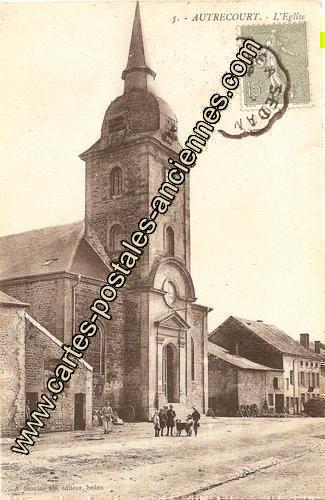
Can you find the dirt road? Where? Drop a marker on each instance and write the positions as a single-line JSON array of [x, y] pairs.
[[234, 458]]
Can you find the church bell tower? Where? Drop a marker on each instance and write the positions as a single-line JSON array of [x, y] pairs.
[[126, 166], [152, 324]]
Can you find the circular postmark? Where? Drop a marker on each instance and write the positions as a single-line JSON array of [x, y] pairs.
[[277, 84]]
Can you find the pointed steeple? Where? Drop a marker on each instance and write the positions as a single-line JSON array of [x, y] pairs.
[[137, 72]]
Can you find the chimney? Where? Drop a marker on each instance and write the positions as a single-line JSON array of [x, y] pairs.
[[304, 340], [317, 346]]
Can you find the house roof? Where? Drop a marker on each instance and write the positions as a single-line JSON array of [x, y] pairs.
[[40, 251], [275, 337], [322, 350], [10, 301], [238, 361]]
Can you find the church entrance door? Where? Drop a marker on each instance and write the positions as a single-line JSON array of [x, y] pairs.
[[170, 373]]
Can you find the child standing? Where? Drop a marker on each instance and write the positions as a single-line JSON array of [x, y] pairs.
[[196, 417], [107, 413], [156, 423], [171, 417], [162, 420]]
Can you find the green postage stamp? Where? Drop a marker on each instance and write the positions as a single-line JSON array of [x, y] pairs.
[[289, 42]]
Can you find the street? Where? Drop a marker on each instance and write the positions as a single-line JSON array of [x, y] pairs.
[[231, 458]]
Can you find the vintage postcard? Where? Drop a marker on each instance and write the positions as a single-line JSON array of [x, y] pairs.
[[162, 279]]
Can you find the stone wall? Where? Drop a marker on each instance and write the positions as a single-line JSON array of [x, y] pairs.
[[223, 383], [42, 296], [108, 344], [104, 210], [178, 215], [134, 327], [12, 357], [197, 379], [231, 386], [255, 386]]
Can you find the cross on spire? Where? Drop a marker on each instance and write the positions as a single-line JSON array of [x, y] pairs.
[[136, 72]]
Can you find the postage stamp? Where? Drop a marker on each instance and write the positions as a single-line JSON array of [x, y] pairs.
[[289, 42], [248, 121]]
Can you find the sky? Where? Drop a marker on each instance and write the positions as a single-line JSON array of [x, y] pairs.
[[257, 205]]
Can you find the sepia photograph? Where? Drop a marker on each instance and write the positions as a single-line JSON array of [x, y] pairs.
[[162, 250]]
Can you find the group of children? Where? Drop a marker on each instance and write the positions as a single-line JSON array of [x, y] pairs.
[[166, 418]]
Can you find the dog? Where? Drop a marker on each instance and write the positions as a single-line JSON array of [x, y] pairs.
[[184, 426]]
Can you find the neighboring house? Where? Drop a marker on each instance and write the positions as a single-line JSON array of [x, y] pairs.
[[29, 355], [236, 381], [268, 345], [154, 351], [318, 348], [43, 353]]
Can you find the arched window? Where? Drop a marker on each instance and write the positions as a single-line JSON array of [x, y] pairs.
[[95, 354], [192, 360], [115, 238], [170, 241], [116, 181]]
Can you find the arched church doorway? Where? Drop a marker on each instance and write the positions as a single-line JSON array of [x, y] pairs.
[[170, 373]]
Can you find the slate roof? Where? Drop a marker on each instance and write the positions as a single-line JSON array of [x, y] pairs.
[[10, 301], [40, 251], [275, 337], [238, 361]]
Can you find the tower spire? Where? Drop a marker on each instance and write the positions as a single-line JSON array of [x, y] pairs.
[[136, 73]]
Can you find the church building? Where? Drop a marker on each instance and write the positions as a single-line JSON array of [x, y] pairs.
[[154, 351]]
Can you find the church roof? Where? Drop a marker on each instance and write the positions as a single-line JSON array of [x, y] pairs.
[[136, 58], [54, 249], [138, 114], [40, 251], [134, 116], [238, 361]]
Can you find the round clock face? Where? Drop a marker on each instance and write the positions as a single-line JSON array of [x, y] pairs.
[[171, 292]]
